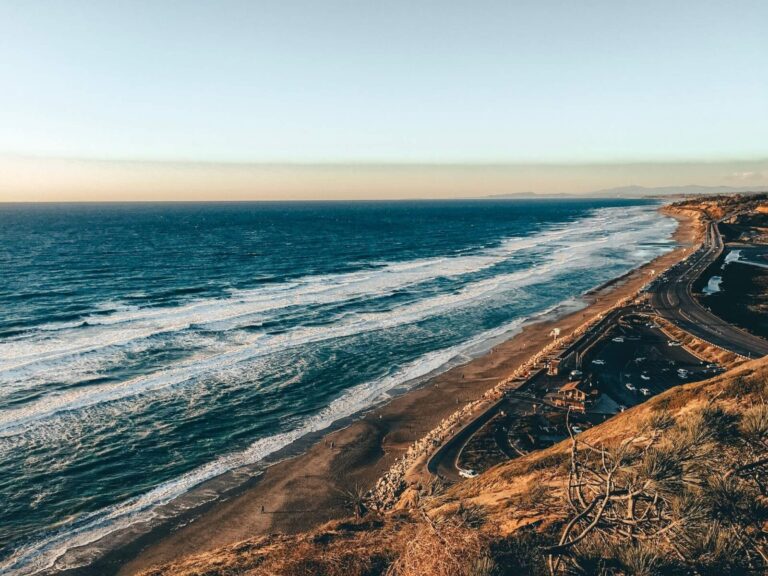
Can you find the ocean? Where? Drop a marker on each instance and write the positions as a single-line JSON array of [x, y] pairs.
[[146, 348]]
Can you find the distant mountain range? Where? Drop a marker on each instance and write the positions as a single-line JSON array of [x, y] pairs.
[[642, 191]]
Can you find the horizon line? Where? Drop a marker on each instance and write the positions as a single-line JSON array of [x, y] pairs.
[[595, 195]]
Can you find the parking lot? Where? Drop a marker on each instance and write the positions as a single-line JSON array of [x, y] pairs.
[[636, 360], [629, 363]]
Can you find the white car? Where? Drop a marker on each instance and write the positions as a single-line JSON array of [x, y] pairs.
[[467, 473], [630, 386], [598, 362], [645, 392], [618, 339], [673, 343]]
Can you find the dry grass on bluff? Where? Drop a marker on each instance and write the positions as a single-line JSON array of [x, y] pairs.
[[678, 485], [716, 207]]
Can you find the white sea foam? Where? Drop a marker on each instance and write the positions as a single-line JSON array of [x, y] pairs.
[[66, 339], [60, 344], [41, 555], [569, 257]]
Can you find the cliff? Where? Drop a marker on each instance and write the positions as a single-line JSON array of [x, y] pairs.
[[676, 485]]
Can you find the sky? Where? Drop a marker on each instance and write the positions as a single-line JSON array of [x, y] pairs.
[[109, 95]]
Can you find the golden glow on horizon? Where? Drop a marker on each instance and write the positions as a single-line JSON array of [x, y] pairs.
[[56, 180]]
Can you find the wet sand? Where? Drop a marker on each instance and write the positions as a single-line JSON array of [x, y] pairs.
[[307, 490]]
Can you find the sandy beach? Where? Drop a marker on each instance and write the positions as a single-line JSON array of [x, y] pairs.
[[307, 490]]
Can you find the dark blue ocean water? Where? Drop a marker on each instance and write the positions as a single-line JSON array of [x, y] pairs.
[[147, 348]]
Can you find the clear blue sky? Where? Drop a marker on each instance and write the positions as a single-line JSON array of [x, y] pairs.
[[392, 81]]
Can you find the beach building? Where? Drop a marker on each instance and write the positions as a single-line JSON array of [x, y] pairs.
[[579, 395]]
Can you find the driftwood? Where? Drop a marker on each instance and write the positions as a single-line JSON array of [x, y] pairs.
[[647, 491]]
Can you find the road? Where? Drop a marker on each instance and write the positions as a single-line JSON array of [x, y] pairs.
[[443, 462], [673, 299]]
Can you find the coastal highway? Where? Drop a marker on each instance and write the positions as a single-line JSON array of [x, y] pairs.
[[443, 463], [672, 298]]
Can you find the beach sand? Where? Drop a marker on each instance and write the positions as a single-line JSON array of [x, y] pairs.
[[307, 490]]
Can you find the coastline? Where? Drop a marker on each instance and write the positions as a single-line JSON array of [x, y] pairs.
[[305, 485]]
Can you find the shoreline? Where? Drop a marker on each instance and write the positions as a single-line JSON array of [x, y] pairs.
[[303, 484]]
